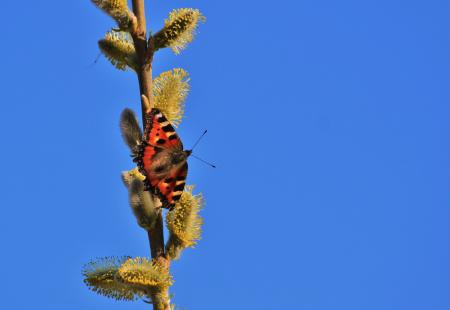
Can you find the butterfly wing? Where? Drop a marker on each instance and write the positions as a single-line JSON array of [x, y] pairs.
[[170, 189], [159, 132], [154, 159]]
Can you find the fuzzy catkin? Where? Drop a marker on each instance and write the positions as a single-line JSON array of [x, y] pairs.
[[179, 29], [118, 48], [170, 90]]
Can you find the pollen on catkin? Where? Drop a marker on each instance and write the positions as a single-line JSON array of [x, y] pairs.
[[184, 223], [129, 176], [179, 29], [170, 90], [100, 277], [144, 274], [118, 10], [118, 48]]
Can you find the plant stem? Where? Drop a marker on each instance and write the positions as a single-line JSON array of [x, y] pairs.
[[145, 57], [139, 12], [144, 71]]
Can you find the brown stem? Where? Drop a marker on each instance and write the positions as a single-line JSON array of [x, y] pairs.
[[139, 11], [145, 80], [145, 57], [156, 238]]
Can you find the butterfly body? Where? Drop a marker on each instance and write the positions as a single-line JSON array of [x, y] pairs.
[[162, 160]]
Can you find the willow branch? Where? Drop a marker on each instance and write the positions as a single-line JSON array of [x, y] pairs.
[[145, 57], [139, 12]]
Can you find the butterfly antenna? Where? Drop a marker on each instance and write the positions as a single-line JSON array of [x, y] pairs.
[[203, 161], [198, 140]]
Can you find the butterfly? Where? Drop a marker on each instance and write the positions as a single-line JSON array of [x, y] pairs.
[[161, 159]]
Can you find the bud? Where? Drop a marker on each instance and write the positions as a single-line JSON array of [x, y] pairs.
[[142, 205], [128, 176], [130, 129]]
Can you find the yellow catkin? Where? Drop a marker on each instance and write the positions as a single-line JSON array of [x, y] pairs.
[[120, 4], [179, 29], [118, 48], [118, 10], [184, 222], [128, 176], [170, 90], [100, 277], [145, 274], [135, 173], [111, 4]]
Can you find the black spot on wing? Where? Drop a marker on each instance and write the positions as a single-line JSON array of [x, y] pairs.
[[179, 187], [167, 128], [162, 119], [173, 137], [160, 141], [176, 197], [162, 197]]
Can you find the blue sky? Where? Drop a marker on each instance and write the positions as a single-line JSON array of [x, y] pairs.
[[329, 122]]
